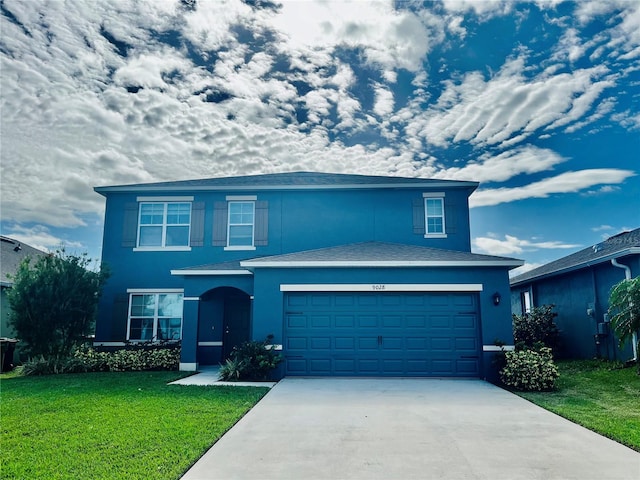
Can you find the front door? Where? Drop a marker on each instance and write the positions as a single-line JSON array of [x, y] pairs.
[[237, 320]]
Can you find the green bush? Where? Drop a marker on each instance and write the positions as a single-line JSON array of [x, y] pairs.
[[530, 370], [536, 327], [251, 361], [87, 359]]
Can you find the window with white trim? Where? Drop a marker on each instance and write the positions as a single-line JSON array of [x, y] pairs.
[[434, 216], [164, 224], [241, 224], [155, 316]]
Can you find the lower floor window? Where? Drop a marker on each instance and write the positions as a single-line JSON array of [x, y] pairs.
[[155, 316]]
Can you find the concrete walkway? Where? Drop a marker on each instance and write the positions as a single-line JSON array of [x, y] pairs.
[[348, 428], [208, 375]]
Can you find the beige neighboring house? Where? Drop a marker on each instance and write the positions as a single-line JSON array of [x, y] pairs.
[[12, 252]]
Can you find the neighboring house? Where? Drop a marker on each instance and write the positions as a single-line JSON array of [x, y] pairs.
[[579, 286], [351, 274], [12, 252]]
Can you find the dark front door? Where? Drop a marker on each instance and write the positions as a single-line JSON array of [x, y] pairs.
[[237, 319]]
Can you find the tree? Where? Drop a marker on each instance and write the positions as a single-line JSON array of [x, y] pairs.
[[624, 306], [54, 302]]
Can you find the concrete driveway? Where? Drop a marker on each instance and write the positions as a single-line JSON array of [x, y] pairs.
[[353, 428]]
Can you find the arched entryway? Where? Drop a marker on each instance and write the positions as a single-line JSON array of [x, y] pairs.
[[224, 321]]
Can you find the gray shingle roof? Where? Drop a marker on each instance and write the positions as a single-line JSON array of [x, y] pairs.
[[381, 254], [288, 180], [12, 252], [621, 244]]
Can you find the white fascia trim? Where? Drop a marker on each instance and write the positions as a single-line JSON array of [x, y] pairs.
[[155, 290], [209, 344], [162, 249], [239, 248], [496, 348], [190, 299], [381, 263], [383, 287], [241, 198], [211, 272], [188, 367], [166, 199], [433, 195]]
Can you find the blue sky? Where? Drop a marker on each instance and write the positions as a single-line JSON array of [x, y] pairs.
[[539, 101]]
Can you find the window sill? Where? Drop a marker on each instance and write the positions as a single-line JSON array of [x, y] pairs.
[[162, 249], [240, 248], [435, 235]]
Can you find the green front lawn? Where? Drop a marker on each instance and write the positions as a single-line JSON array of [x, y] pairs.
[[112, 425], [598, 396]]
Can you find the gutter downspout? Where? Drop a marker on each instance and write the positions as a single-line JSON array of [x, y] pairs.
[[627, 276]]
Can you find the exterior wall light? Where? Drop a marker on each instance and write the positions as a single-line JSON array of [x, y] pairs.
[[496, 298]]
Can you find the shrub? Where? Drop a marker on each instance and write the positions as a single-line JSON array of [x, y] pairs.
[[530, 370], [536, 327], [50, 365], [87, 359], [251, 361]]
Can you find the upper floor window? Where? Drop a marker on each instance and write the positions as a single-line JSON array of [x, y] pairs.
[[434, 211], [164, 224], [241, 224], [430, 215], [155, 316]]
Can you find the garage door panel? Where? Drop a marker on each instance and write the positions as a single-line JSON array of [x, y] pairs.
[[345, 366], [417, 343], [442, 344], [416, 321], [345, 321], [392, 321], [415, 334], [466, 344], [465, 321], [391, 343], [368, 343], [393, 366], [467, 367], [345, 343], [320, 343], [367, 321], [296, 343], [440, 321], [296, 321], [320, 366]]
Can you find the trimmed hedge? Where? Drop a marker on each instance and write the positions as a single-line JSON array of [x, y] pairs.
[[88, 359]]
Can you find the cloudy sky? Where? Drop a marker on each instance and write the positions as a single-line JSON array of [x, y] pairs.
[[538, 101]]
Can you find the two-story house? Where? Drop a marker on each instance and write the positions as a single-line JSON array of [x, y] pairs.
[[351, 274]]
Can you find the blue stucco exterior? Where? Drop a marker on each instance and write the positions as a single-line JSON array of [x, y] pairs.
[[579, 286], [305, 212]]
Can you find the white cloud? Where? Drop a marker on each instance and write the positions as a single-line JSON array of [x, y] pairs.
[[384, 101], [528, 159], [509, 105], [513, 245], [602, 228], [567, 182]]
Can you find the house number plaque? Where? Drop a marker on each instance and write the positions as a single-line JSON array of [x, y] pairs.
[[378, 288]]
